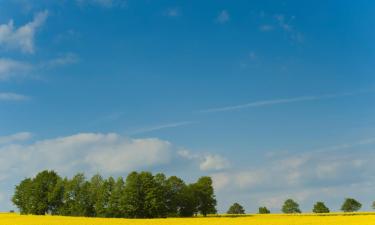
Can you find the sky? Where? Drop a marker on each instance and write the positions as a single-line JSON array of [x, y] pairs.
[[272, 99]]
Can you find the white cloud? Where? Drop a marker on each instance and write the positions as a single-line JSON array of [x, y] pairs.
[[23, 37], [11, 68], [130, 154], [7, 96], [223, 17], [22, 136], [91, 152], [213, 162], [206, 161]]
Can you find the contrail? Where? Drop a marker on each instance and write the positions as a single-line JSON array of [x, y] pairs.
[[277, 102]]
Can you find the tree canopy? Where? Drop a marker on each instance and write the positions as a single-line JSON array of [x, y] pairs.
[[263, 210], [290, 206], [351, 205], [140, 195], [236, 209], [320, 207]]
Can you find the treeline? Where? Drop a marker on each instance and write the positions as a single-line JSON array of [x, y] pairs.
[[290, 207], [140, 195]]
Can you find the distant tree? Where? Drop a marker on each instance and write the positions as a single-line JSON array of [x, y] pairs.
[[351, 205], [205, 195], [320, 207], [236, 209], [373, 205], [264, 210], [290, 206]]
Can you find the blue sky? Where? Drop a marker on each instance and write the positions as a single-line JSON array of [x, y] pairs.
[[273, 99]]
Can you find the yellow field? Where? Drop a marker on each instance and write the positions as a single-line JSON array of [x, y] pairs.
[[274, 219]]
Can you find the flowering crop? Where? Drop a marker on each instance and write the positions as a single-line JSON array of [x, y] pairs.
[[273, 219]]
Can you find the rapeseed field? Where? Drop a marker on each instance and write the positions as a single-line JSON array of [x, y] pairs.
[[273, 219]]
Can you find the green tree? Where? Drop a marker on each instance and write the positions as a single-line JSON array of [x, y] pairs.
[[76, 199], [263, 210], [320, 207], [133, 199], [115, 206], [188, 201], [351, 205], [40, 195], [373, 205], [236, 209], [22, 196], [205, 195], [99, 196], [290, 206], [174, 195]]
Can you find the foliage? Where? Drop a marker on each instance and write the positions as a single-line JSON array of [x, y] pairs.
[[236, 209], [204, 192], [264, 210], [351, 205], [141, 195], [320, 207], [290, 206]]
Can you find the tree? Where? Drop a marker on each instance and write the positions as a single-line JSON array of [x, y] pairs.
[[264, 210], [76, 198], [373, 205], [188, 201], [205, 196], [40, 195], [133, 199], [351, 205], [236, 209], [115, 204], [22, 196], [142, 195], [99, 196], [290, 206], [320, 207], [174, 195]]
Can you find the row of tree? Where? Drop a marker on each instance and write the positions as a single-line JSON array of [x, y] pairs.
[[140, 195], [290, 206]]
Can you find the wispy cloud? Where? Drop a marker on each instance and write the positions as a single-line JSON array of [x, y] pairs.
[[65, 59], [10, 68], [21, 136], [173, 12], [162, 126], [276, 102], [103, 3], [23, 37], [281, 22], [266, 27], [223, 17], [8, 96]]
